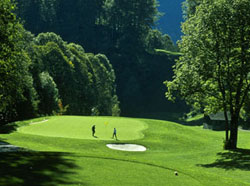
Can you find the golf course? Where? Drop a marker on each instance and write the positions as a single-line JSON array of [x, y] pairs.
[[125, 93], [60, 150]]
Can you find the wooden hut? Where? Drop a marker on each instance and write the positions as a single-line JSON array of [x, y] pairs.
[[215, 121]]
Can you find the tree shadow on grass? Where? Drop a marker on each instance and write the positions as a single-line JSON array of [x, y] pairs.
[[8, 128], [230, 160], [37, 168]]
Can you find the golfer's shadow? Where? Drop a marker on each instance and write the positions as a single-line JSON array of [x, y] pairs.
[[95, 136]]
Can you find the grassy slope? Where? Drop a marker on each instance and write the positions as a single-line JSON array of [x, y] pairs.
[[192, 151], [167, 52]]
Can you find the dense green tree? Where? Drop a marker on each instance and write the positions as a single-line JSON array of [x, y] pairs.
[[122, 30], [129, 20], [74, 21], [104, 77], [15, 83], [40, 13], [129, 39], [156, 40], [96, 24], [189, 7], [84, 81], [26, 106], [48, 94], [7, 47], [44, 75], [213, 72], [61, 70]]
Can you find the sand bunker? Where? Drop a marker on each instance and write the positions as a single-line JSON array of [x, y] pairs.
[[8, 148], [127, 147]]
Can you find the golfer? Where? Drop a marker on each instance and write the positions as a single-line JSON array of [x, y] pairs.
[[114, 134], [93, 130]]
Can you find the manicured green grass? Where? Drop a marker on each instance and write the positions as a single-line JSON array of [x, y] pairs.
[[66, 157], [195, 118], [80, 127], [167, 52]]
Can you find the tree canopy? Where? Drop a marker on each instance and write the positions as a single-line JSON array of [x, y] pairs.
[[189, 7], [57, 73], [15, 81], [45, 75], [213, 72], [84, 80], [122, 30]]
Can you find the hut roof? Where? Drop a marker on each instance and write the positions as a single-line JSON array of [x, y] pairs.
[[219, 116]]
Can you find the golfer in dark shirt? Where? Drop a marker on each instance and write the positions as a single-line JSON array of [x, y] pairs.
[[93, 130], [114, 134]]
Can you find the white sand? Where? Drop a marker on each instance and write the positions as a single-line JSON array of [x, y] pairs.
[[127, 147], [8, 148], [39, 122]]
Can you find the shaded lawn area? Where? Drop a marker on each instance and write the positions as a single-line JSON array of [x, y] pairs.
[[231, 160], [12, 127], [8, 128], [36, 168]]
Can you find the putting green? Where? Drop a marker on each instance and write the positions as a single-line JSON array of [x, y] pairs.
[[80, 127]]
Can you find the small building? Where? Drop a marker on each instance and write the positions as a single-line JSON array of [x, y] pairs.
[[216, 121]]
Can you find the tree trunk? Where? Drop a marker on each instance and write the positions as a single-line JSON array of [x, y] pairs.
[[233, 133], [227, 124]]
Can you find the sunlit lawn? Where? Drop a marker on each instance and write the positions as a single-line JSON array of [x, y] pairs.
[[65, 153]]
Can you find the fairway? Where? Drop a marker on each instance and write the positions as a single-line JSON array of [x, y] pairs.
[[80, 127], [60, 150]]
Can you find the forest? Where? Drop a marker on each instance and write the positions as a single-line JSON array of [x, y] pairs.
[[82, 58]]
